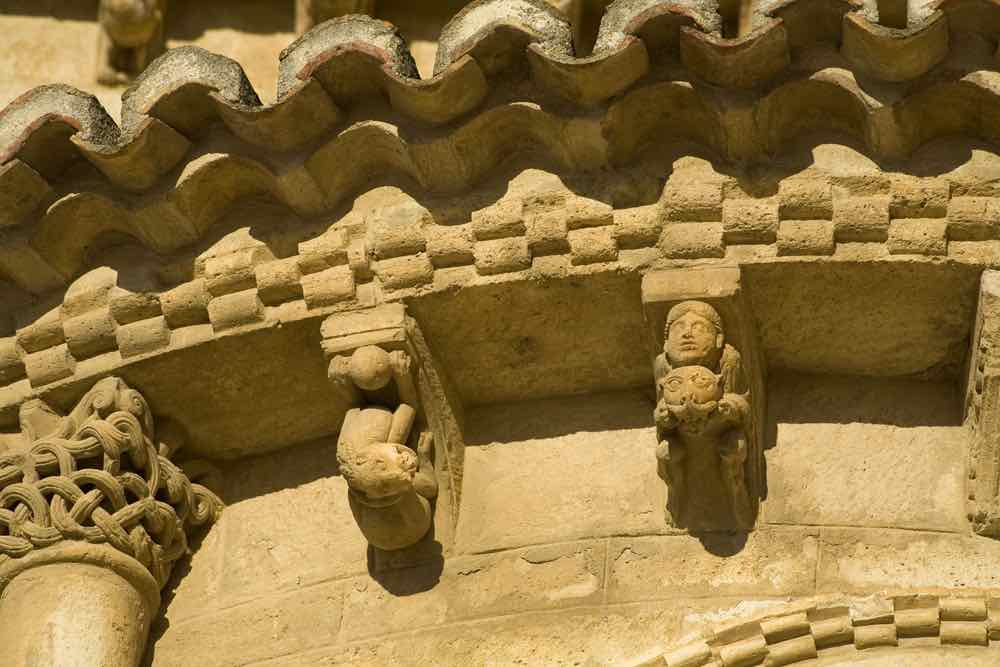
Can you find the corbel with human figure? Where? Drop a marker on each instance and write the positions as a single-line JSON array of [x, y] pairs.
[[398, 444], [708, 438], [387, 463]]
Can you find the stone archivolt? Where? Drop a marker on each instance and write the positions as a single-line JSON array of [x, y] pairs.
[[823, 628], [96, 476]]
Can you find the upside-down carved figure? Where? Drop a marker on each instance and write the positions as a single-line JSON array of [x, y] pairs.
[[391, 483], [703, 420]]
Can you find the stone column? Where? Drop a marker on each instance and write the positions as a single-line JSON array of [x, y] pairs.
[[76, 605], [93, 516]]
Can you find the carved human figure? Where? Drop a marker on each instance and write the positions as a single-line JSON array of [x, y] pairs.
[[389, 483], [702, 416]]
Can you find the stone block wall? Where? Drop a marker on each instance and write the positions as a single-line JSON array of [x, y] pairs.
[[562, 554]]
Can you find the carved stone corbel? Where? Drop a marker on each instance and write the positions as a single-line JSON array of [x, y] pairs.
[[982, 411], [309, 13], [130, 36], [709, 397], [386, 447], [93, 516]]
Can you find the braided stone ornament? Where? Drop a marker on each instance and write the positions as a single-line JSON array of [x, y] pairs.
[[96, 476]]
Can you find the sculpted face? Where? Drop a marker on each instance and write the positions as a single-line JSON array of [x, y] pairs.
[[383, 469], [696, 384], [693, 340]]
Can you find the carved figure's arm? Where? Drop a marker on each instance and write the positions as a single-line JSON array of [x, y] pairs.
[[664, 417], [401, 371], [425, 481], [402, 423], [339, 373], [735, 408]]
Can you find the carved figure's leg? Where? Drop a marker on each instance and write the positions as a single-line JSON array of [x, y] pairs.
[[670, 456], [402, 424], [732, 459], [425, 481]]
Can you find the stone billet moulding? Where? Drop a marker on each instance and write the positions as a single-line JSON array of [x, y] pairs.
[[710, 409], [93, 516], [401, 439]]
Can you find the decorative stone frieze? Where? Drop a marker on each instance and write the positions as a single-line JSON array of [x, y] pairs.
[[709, 398], [385, 450], [93, 516], [129, 37]]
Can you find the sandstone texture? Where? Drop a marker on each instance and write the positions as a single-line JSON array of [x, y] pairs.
[[505, 332]]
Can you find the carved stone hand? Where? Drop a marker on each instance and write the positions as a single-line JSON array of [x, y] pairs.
[[400, 362], [731, 409], [664, 417], [733, 451]]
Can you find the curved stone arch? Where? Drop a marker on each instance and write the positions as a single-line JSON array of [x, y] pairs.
[[875, 630]]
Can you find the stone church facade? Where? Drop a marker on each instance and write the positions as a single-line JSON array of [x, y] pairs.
[[508, 332]]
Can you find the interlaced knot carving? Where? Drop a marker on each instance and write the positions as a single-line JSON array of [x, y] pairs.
[[99, 478]]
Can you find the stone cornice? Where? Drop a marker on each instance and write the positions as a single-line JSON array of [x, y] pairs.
[[166, 174], [402, 251]]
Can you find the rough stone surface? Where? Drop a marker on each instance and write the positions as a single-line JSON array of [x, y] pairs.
[[481, 192], [552, 439], [900, 459]]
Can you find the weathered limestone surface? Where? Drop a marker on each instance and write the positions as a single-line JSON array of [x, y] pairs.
[[73, 613], [567, 442], [866, 452], [521, 332]]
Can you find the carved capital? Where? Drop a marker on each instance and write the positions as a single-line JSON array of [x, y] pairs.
[[709, 410], [97, 476]]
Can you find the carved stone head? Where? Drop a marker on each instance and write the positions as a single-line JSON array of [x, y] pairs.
[[370, 464], [693, 335], [691, 384], [381, 470]]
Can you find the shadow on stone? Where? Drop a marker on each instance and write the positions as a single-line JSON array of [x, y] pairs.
[[723, 544], [408, 571], [161, 623]]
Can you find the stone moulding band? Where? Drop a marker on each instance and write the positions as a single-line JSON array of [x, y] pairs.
[[96, 476], [803, 631]]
